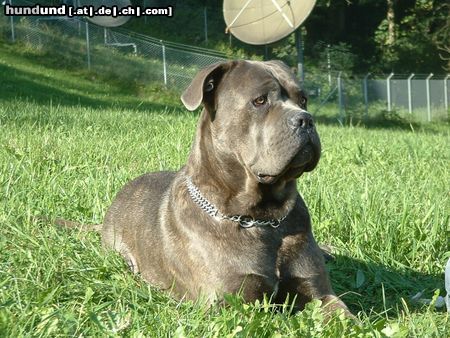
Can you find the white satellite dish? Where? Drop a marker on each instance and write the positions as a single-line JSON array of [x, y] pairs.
[[107, 21], [260, 22]]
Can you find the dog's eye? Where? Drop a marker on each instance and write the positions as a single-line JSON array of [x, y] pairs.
[[303, 101], [259, 101]]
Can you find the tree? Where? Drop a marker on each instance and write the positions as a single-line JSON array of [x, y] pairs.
[[414, 39], [441, 37], [390, 19]]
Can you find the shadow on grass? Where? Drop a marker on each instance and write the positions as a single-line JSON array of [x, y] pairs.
[[18, 84], [382, 120], [44, 89], [371, 287]]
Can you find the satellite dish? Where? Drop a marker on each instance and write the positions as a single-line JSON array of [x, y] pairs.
[[260, 22], [107, 21]]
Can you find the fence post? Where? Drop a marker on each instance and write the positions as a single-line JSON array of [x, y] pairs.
[[329, 65], [409, 93], [39, 35], [13, 35], [300, 58], [341, 98], [427, 83], [446, 92], [366, 95], [88, 47], [164, 62], [388, 91]]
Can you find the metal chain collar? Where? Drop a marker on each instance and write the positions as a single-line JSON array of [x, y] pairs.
[[211, 210]]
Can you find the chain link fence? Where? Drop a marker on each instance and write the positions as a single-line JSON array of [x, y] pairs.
[[138, 59], [422, 96], [116, 53], [416, 97]]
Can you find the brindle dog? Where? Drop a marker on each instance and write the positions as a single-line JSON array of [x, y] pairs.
[[231, 220]]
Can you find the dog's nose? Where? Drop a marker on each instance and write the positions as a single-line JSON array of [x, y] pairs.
[[302, 120]]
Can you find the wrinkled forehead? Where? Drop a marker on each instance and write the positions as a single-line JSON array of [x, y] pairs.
[[253, 78]]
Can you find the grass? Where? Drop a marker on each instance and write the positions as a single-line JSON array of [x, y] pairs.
[[69, 141], [63, 44]]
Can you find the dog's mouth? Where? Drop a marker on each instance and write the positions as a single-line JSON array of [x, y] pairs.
[[303, 160], [266, 179]]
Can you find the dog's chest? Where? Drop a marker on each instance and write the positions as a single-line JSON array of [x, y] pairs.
[[251, 250]]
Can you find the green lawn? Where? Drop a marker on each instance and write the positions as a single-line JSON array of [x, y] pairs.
[[68, 142]]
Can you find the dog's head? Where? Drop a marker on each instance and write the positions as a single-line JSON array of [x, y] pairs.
[[258, 115]]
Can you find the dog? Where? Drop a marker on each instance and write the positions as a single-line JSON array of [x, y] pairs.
[[231, 220]]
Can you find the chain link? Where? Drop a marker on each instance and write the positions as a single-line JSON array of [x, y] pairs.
[[211, 209]]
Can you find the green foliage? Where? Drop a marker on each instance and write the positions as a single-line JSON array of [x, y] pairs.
[[417, 38], [286, 50]]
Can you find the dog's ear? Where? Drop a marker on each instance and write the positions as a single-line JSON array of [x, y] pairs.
[[287, 80], [203, 87]]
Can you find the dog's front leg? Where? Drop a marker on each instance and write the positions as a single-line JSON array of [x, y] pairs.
[[303, 275]]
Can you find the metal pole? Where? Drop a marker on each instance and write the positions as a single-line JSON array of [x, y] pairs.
[[366, 95], [88, 52], [340, 98], [388, 90], [427, 83], [329, 65], [446, 92], [300, 62], [205, 17], [164, 62], [409, 93], [13, 34], [39, 35]]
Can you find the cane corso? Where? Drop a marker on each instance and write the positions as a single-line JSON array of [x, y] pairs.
[[231, 220]]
